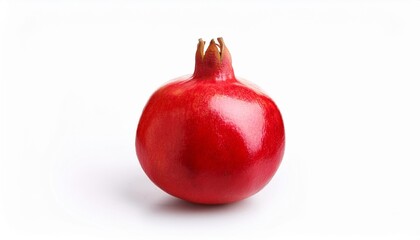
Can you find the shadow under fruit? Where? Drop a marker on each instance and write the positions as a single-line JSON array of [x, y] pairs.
[[210, 138]]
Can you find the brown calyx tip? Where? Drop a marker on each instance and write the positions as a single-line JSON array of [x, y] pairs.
[[221, 45], [200, 48], [213, 48]]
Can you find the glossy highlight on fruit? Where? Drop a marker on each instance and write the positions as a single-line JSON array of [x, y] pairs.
[[210, 138]]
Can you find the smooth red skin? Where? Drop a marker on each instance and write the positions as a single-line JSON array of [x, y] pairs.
[[209, 141]]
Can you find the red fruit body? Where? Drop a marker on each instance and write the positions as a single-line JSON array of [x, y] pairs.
[[210, 138]]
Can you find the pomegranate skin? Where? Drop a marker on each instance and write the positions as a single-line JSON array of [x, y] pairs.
[[210, 138]]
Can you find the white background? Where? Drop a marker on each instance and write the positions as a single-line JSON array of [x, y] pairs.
[[75, 76]]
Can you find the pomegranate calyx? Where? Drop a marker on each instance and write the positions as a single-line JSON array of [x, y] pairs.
[[215, 62]]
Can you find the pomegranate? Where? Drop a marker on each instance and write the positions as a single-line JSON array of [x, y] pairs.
[[210, 138]]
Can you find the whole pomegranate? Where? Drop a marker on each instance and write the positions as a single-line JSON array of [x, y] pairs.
[[210, 138]]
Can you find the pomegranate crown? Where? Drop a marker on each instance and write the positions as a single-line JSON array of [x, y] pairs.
[[215, 62]]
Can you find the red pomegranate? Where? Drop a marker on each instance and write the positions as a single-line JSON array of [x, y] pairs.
[[210, 138]]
